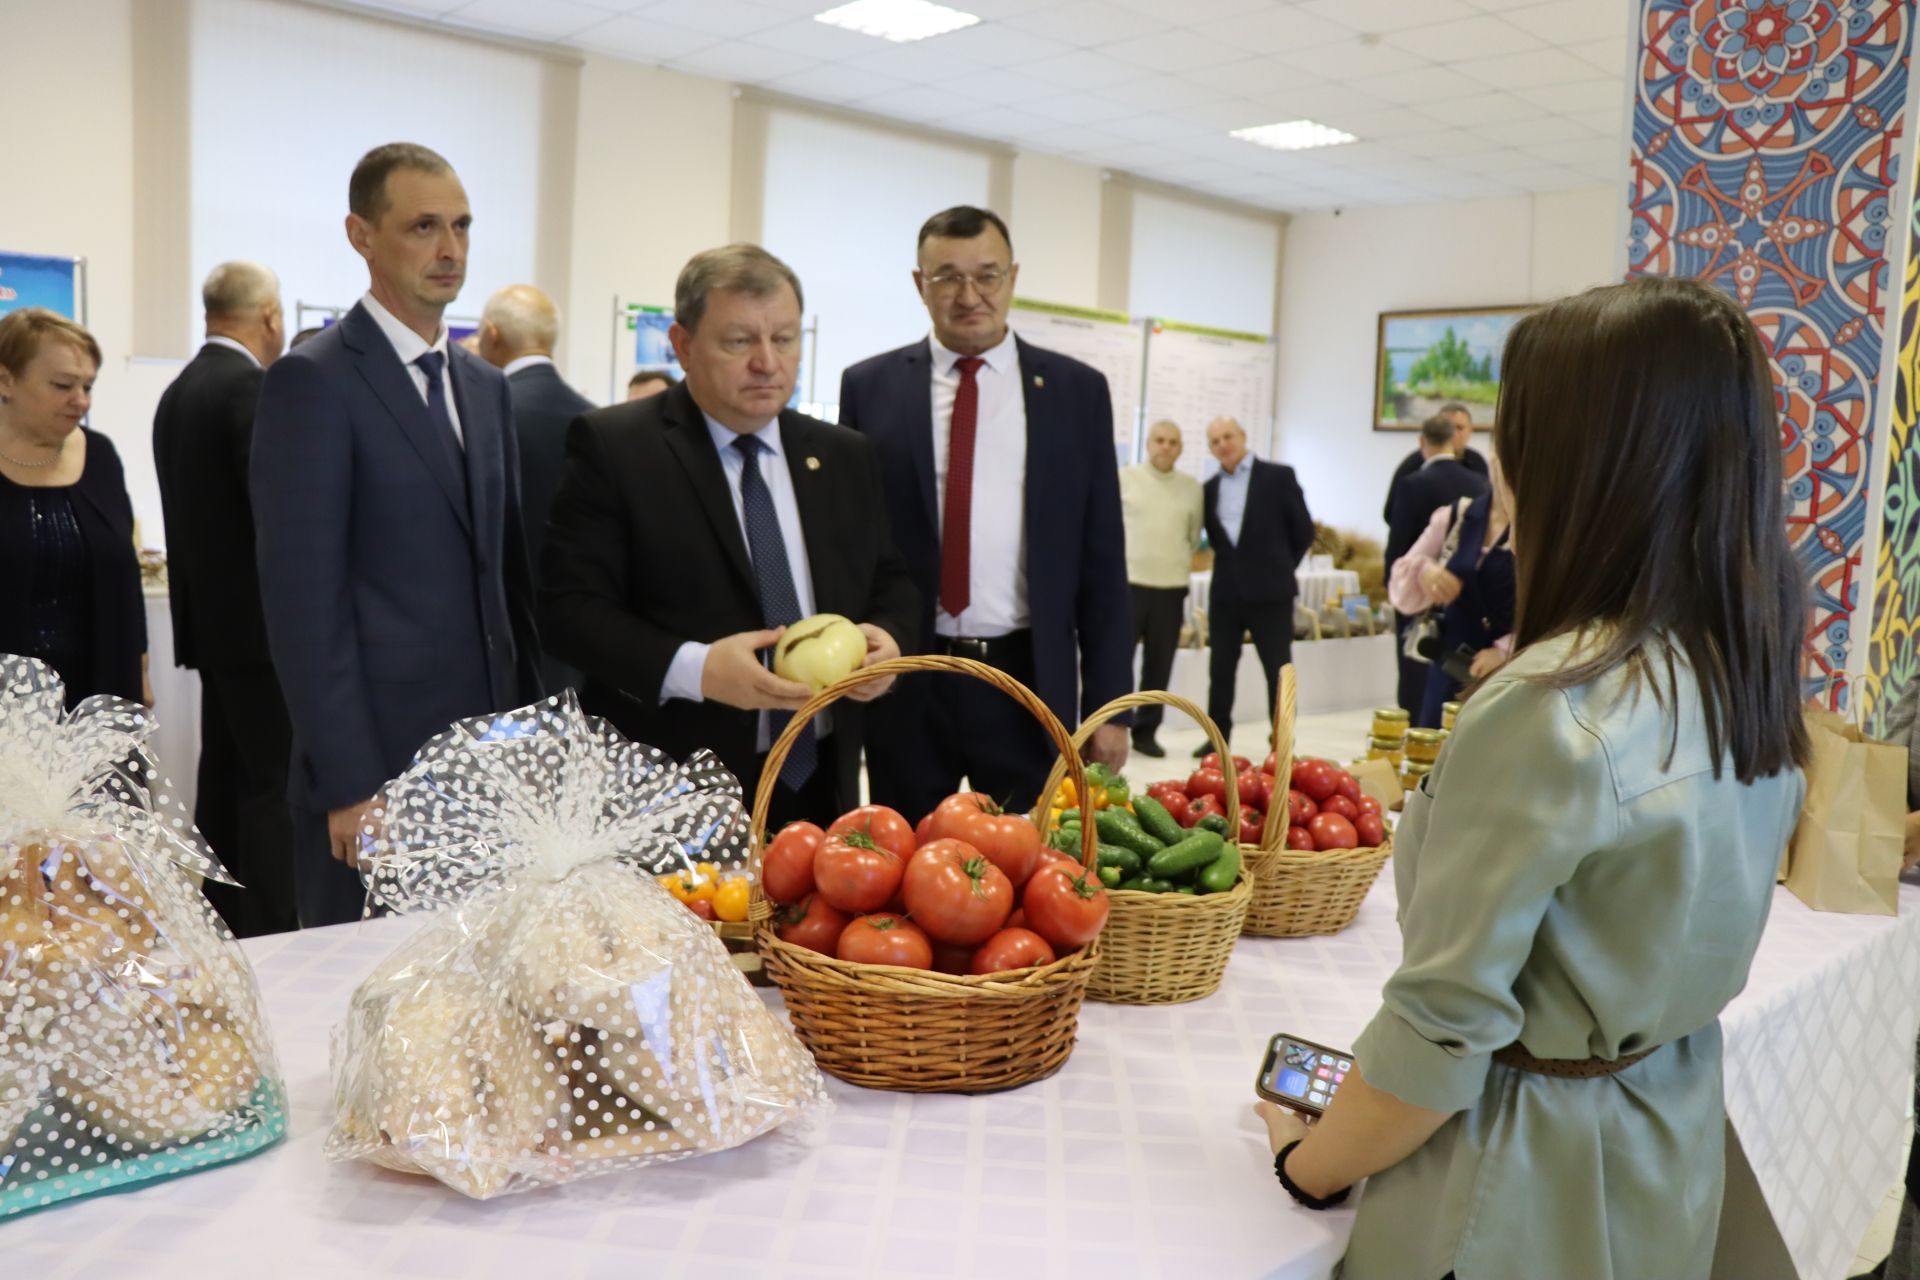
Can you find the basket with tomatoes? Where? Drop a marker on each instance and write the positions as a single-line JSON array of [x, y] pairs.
[[950, 954], [1180, 888], [1322, 843]]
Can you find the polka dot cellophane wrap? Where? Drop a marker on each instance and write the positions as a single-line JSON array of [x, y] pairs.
[[563, 1016], [131, 1040], [1768, 144]]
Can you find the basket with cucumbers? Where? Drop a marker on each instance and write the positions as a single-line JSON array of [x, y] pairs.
[[1179, 894]]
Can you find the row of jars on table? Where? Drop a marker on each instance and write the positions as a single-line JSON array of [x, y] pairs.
[[1412, 752]]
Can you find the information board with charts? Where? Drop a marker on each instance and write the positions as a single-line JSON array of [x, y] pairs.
[[1195, 375], [1110, 341]]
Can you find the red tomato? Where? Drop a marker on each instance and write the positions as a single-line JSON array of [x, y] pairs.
[[1300, 810], [813, 924], [952, 959], [1211, 760], [1300, 838], [786, 869], [1337, 803], [1299, 771], [1315, 777], [1207, 782], [923, 834], [886, 827], [1018, 920], [1202, 807], [1067, 908], [1368, 804], [886, 940], [1347, 785], [1371, 830], [1273, 763], [855, 874], [1008, 840], [1259, 791], [1166, 787], [956, 893], [1248, 781], [702, 908], [1176, 804], [1012, 949], [1252, 824], [1331, 831]]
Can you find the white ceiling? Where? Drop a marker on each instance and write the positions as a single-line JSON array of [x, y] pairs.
[[1451, 99]]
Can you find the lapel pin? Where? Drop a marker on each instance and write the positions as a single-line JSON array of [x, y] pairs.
[[813, 464], [1039, 381]]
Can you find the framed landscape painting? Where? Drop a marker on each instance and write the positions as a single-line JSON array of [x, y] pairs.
[[1428, 358]]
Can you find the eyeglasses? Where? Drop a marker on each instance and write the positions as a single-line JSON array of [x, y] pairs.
[[987, 283]]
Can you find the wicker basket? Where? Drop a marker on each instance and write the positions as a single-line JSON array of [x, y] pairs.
[[1163, 948], [1296, 893], [912, 1029]]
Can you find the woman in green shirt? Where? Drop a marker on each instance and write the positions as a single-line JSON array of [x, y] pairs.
[[1584, 877]]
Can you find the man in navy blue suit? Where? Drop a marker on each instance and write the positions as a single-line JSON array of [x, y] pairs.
[[386, 494], [1004, 497]]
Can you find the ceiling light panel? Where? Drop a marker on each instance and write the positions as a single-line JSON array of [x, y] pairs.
[[1294, 135], [897, 20]]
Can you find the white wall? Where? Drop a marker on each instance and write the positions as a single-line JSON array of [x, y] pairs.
[[1342, 270], [1056, 229], [644, 200], [1201, 264]]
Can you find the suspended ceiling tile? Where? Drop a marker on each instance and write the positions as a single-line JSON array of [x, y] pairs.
[[549, 20], [1484, 109], [1004, 88], [1275, 30], [1081, 69], [719, 17], [995, 44], [1349, 61], [1611, 122], [1260, 77], [1381, 16], [1194, 12], [1610, 55], [738, 61], [1161, 93], [805, 39], [1087, 22], [1072, 108], [835, 84], [1423, 86], [923, 60], [1572, 21], [1477, 37], [1173, 51], [1072, 139], [1536, 129], [1527, 70], [1444, 144], [642, 39], [1386, 123], [1585, 95]]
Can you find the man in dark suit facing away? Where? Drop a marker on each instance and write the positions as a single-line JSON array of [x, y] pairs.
[[1462, 419], [202, 440], [692, 527], [1004, 493], [1260, 531], [386, 492], [1441, 480], [517, 333]]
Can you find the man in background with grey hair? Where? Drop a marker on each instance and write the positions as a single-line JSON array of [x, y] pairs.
[[692, 527], [517, 333], [202, 439]]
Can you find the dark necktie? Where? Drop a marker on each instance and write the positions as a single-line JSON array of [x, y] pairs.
[[431, 364], [779, 602], [956, 525]]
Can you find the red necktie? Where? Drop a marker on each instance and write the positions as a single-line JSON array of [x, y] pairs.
[[956, 530]]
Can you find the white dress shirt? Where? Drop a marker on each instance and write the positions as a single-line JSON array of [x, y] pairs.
[[525, 362], [997, 572], [409, 346], [222, 340], [690, 660], [1231, 501]]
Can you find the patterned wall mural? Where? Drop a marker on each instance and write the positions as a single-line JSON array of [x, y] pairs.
[[1766, 150], [1893, 651]]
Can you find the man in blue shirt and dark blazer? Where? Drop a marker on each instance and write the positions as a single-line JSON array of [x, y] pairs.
[[1004, 496], [1260, 531], [386, 495]]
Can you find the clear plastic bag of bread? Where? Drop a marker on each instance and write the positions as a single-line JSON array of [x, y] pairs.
[[131, 1040], [560, 1015]]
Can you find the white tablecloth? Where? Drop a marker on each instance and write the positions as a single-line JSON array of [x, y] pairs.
[[1318, 588], [1140, 1158]]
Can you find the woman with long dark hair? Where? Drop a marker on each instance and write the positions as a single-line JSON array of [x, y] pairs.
[[1584, 877]]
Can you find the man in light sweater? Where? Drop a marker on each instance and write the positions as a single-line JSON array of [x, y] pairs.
[[1163, 511]]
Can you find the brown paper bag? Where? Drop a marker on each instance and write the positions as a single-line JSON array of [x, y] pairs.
[[1846, 850], [1377, 779]]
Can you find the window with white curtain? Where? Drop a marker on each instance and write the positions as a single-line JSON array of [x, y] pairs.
[[1202, 264], [844, 203], [286, 98]]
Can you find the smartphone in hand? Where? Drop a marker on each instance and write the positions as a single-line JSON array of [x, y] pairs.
[[1302, 1075]]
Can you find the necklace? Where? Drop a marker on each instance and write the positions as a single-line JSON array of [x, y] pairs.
[[30, 466]]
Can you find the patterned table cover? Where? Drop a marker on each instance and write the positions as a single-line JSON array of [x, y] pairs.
[[1140, 1158]]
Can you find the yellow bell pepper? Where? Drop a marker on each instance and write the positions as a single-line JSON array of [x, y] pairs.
[[684, 889], [1067, 798]]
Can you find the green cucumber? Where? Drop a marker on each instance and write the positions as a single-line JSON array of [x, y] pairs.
[[1129, 862], [1218, 876], [1117, 827], [1069, 815], [1066, 840], [1213, 822], [1156, 821], [1146, 884], [1196, 851], [1187, 889]]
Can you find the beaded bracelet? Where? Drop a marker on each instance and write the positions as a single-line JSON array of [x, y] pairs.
[[1293, 1188]]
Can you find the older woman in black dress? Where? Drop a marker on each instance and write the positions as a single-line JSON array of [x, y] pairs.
[[69, 576]]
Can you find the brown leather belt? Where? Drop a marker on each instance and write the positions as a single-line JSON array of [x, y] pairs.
[[1567, 1068]]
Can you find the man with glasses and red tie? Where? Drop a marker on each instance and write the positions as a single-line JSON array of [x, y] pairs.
[[1004, 497]]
